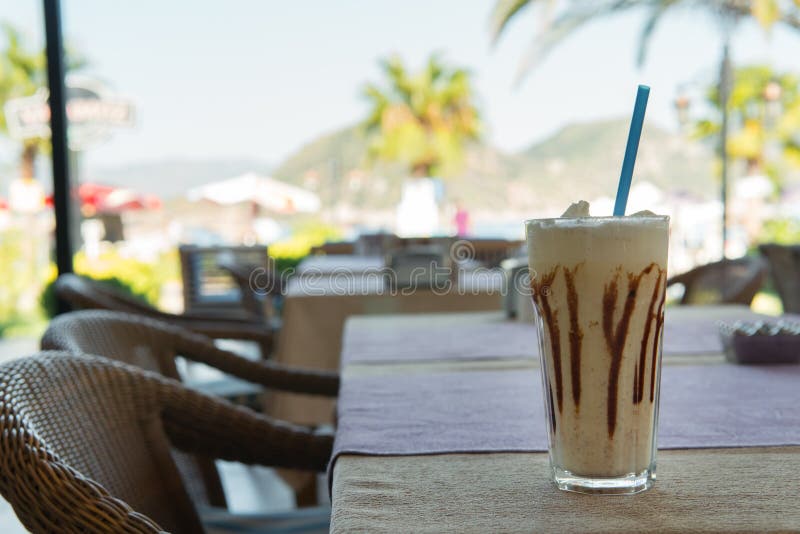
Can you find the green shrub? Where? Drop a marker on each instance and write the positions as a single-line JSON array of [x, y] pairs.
[[304, 236], [784, 231], [288, 253], [23, 270]]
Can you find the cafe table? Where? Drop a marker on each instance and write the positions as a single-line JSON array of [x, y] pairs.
[[416, 392], [320, 299], [349, 263]]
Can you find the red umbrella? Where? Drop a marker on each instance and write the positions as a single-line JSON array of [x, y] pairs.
[[99, 198], [92, 196]]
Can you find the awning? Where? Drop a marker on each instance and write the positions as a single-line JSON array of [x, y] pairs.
[[268, 193]]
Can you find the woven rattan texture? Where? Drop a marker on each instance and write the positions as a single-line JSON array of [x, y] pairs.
[[84, 441], [153, 345]]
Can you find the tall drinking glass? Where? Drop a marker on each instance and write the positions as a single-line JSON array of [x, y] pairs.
[[598, 286]]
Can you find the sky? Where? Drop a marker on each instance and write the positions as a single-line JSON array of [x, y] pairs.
[[256, 79]]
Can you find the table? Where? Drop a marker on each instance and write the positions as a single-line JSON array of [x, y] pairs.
[[317, 306], [704, 490], [338, 263]]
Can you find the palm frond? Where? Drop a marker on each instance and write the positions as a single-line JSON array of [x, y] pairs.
[[435, 68], [399, 81], [503, 12], [566, 23], [766, 12], [788, 15], [653, 18]]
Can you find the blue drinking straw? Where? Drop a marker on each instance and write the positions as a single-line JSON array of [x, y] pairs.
[[630, 150]]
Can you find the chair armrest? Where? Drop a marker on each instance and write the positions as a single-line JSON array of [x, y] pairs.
[[232, 315], [200, 424], [682, 278], [261, 333], [266, 373]]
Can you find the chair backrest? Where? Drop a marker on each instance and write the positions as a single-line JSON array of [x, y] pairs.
[[419, 267], [491, 252], [146, 343], [84, 446], [258, 285], [85, 294], [784, 263], [375, 244], [128, 338], [723, 282], [207, 287]]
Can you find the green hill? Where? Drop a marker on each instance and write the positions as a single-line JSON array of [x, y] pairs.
[[579, 161], [585, 159]]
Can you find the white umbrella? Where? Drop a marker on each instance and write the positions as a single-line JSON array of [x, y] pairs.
[[266, 192]]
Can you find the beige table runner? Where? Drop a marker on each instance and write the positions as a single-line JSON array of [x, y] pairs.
[[707, 490]]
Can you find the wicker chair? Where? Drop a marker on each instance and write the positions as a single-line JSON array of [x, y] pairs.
[[207, 288], [84, 293], [154, 345], [259, 287], [375, 244], [491, 252], [486, 252], [784, 262], [86, 445], [722, 282]]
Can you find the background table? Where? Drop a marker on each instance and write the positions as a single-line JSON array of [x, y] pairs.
[[711, 490], [339, 262], [316, 308]]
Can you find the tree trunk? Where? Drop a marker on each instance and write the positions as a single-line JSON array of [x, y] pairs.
[[725, 84], [27, 160], [421, 169]]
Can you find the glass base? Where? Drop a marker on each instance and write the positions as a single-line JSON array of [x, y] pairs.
[[624, 485]]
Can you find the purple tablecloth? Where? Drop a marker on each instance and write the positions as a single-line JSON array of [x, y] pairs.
[[493, 411], [472, 341], [697, 334]]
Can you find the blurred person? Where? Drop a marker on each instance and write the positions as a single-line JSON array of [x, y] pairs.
[[417, 213], [461, 220]]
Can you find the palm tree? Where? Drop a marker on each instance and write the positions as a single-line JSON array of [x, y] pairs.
[[422, 119], [556, 24], [767, 106], [22, 72]]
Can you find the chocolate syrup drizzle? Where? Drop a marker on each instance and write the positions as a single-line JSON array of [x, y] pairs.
[[659, 329], [541, 290], [615, 335], [638, 381], [575, 335]]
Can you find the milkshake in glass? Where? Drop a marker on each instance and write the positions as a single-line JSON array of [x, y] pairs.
[[598, 286]]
